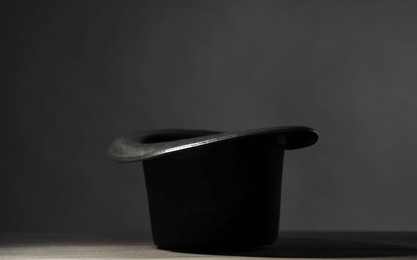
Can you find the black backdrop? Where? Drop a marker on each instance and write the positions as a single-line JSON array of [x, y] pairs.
[[76, 73]]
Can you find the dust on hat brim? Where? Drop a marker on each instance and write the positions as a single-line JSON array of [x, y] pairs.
[[146, 145]]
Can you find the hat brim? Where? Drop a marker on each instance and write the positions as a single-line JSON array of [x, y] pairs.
[[146, 145]]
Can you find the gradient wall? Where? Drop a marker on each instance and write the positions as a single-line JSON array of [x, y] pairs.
[[77, 73]]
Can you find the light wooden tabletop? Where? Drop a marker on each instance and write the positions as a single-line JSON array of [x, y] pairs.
[[291, 245]]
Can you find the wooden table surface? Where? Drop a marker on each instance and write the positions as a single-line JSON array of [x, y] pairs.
[[291, 245]]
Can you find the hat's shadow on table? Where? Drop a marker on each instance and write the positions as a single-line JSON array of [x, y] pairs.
[[350, 245], [330, 249]]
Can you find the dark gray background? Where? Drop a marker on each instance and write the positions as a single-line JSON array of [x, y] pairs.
[[77, 73]]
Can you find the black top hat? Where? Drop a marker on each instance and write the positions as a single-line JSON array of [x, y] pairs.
[[146, 145], [211, 190]]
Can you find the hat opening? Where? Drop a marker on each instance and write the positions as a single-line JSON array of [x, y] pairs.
[[172, 136]]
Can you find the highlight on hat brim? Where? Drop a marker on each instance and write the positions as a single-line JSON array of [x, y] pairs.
[[146, 145]]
